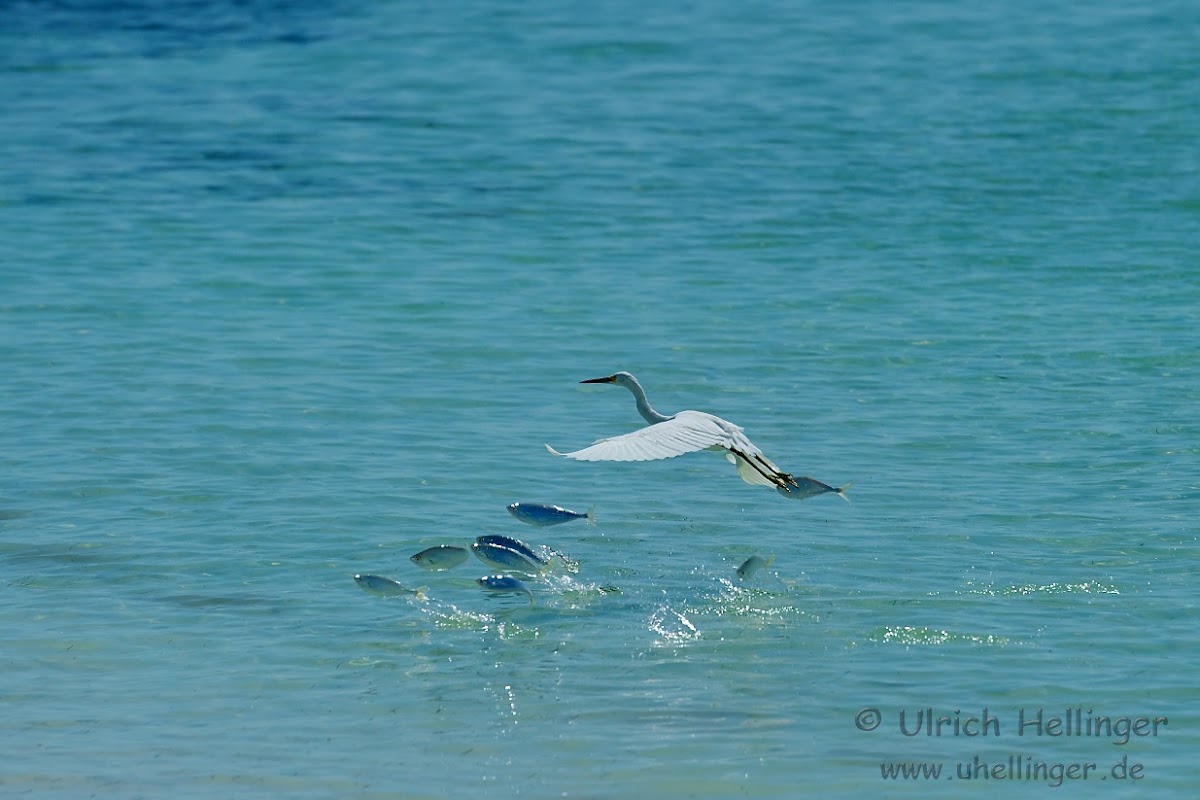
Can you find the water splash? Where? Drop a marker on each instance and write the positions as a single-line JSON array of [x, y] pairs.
[[672, 627], [916, 635], [1083, 587]]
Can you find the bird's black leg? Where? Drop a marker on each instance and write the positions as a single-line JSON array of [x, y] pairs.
[[781, 480]]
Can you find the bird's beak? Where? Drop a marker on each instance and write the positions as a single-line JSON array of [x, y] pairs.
[[606, 379]]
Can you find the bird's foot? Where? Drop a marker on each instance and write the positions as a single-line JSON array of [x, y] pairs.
[[785, 481]]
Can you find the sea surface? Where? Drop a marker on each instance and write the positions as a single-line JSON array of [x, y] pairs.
[[291, 291]]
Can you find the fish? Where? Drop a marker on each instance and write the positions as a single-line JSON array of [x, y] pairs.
[[805, 488], [386, 587], [752, 565], [513, 544], [501, 557], [440, 557], [501, 584], [541, 514]]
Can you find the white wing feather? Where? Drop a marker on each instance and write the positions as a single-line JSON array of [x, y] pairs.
[[686, 432]]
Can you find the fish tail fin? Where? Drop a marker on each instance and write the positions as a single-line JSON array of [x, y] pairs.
[[419, 593], [770, 560], [841, 491], [554, 452], [591, 515]]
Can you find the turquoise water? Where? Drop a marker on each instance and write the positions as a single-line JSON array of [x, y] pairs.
[[292, 291]]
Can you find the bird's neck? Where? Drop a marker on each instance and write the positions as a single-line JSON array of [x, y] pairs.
[[643, 406]]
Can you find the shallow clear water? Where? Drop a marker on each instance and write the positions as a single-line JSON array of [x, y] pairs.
[[290, 293]]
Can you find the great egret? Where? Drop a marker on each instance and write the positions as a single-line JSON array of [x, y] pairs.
[[685, 432]]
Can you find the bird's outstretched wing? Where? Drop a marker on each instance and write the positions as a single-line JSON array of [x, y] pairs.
[[686, 432]]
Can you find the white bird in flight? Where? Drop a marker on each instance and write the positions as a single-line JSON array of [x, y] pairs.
[[685, 432]]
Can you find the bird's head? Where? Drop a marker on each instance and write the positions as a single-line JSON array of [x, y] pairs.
[[619, 378]]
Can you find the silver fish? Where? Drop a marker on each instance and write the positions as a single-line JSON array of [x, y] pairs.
[[385, 587], [513, 544], [805, 488], [541, 514], [504, 584], [440, 557], [752, 565], [504, 558]]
